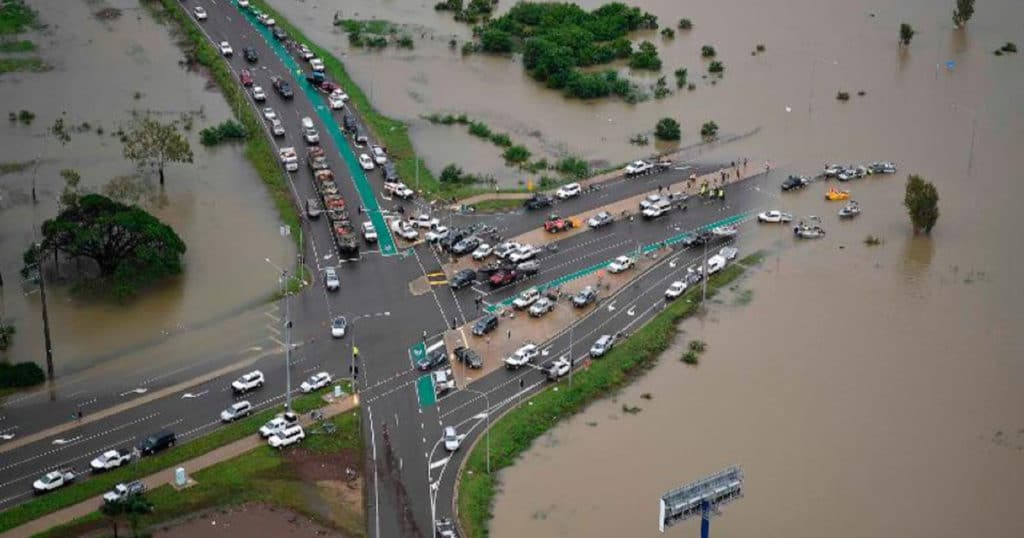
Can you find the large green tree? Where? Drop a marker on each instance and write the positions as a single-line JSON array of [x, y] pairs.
[[963, 12], [667, 129], [151, 143], [130, 247], [906, 34], [922, 203]]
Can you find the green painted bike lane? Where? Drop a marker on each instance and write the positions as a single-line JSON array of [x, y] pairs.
[[369, 201], [728, 221]]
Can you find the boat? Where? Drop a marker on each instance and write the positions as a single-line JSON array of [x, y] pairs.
[[850, 210], [835, 194], [725, 231], [809, 228]]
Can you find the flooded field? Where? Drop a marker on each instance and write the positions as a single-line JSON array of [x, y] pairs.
[[102, 71]]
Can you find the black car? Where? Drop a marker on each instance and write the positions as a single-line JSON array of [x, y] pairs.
[[250, 55], [280, 34], [432, 360], [389, 171], [466, 246], [696, 240], [348, 122], [585, 296], [539, 201], [468, 357], [794, 182], [454, 237], [485, 325], [157, 442], [462, 279], [282, 87]]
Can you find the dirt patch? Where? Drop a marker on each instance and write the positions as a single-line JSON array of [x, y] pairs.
[[335, 485], [315, 466], [247, 520]]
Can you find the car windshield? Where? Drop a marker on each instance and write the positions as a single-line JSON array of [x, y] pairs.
[[338, 323]]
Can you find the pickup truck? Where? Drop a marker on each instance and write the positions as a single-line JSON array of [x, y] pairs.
[[522, 357], [526, 298], [121, 492], [282, 87], [444, 381], [53, 480], [637, 168], [110, 459], [399, 189]]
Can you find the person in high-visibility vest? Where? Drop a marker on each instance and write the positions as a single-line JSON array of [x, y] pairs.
[[355, 352]]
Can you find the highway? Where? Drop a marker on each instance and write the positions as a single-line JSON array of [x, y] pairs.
[[384, 317]]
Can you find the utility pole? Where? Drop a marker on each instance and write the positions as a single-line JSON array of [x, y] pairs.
[[287, 336], [704, 277]]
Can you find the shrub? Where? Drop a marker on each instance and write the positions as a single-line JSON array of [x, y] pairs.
[[639, 140], [406, 42], [26, 116], [573, 167], [709, 130], [685, 24], [495, 40], [697, 346], [668, 33], [707, 51], [646, 57], [872, 240], [479, 129], [690, 357], [680, 77], [22, 374], [843, 96], [225, 131], [1009, 47], [516, 155], [716, 67], [667, 129], [501, 139], [452, 174], [760, 47]]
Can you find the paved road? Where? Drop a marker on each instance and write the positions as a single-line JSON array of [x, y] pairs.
[[385, 319]]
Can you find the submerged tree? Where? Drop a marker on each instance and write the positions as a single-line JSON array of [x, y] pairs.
[[151, 143], [963, 12], [906, 34], [922, 203], [667, 129], [130, 247]]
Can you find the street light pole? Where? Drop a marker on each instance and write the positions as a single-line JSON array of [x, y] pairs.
[[704, 277], [287, 336], [487, 433]]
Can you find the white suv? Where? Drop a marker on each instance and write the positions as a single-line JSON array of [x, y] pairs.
[[288, 436], [331, 280], [522, 357], [250, 381]]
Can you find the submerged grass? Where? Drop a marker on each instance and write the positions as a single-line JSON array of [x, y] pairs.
[[25, 65], [23, 45], [81, 491], [514, 432]]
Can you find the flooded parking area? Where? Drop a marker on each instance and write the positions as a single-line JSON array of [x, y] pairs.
[[103, 71]]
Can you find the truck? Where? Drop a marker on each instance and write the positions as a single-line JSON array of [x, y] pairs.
[[316, 158], [110, 459], [556, 224], [122, 492], [53, 480], [526, 298]]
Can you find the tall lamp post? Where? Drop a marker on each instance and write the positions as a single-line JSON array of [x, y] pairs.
[[487, 413], [285, 277]]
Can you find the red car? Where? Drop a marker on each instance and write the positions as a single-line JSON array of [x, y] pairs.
[[328, 87], [502, 278], [246, 77]]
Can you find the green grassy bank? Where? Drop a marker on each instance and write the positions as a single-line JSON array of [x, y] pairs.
[[514, 432]]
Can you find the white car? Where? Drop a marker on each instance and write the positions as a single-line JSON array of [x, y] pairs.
[[335, 101], [369, 232], [225, 48], [379, 155], [53, 480], [268, 112], [399, 189], [451, 439], [482, 251], [556, 369], [288, 436], [568, 191], [259, 95], [277, 127], [366, 162], [316, 382], [406, 231], [650, 201], [716, 263], [774, 217], [424, 220], [236, 411], [277, 424], [522, 357], [526, 298], [541, 307], [675, 290], [243, 3], [110, 459], [439, 233], [331, 279], [306, 52], [443, 380], [289, 158], [523, 253], [504, 249], [338, 327], [250, 381], [199, 12], [602, 345], [603, 218], [316, 64], [729, 253], [620, 264], [636, 168]]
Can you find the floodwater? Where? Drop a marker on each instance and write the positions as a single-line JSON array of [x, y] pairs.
[[102, 71], [866, 391]]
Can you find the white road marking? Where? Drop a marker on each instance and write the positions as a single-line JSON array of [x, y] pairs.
[[439, 463]]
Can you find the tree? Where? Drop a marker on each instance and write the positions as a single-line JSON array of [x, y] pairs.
[[451, 174], [667, 129], [113, 510], [906, 34], [151, 143], [70, 194], [709, 130], [922, 203], [495, 40], [129, 247], [135, 507], [963, 12]]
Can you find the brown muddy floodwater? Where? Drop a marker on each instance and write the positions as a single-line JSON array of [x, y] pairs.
[[218, 205]]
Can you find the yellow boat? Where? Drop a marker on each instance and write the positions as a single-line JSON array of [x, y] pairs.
[[835, 194]]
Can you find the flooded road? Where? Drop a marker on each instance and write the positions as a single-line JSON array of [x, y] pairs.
[[102, 71]]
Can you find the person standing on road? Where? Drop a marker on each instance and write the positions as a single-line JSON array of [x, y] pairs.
[[510, 334]]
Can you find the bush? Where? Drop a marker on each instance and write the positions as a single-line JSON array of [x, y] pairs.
[[667, 129], [227, 130], [406, 42], [680, 78], [707, 51], [495, 40], [1009, 47], [685, 24], [516, 155], [709, 130], [26, 116], [697, 346], [22, 374], [479, 129], [573, 167], [668, 33], [501, 139], [760, 47], [451, 174], [843, 96], [646, 57], [639, 140], [690, 357], [716, 67]]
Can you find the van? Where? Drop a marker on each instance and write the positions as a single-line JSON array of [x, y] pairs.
[[157, 442], [309, 131], [715, 264]]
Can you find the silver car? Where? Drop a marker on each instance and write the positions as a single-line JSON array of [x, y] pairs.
[[603, 345]]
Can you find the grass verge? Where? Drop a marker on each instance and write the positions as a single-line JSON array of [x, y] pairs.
[[261, 475], [497, 205], [514, 432], [76, 493], [23, 45], [25, 65], [258, 150]]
